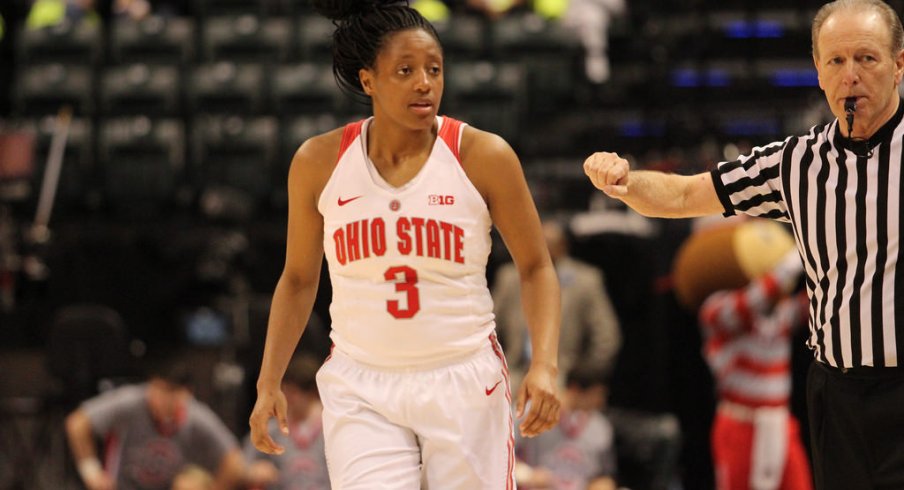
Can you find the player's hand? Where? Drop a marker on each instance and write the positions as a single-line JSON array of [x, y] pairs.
[[608, 172], [538, 388], [270, 403]]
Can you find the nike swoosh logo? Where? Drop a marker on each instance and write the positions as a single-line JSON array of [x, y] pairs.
[[491, 390], [343, 202]]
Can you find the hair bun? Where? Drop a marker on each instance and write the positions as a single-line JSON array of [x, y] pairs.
[[340, 10]]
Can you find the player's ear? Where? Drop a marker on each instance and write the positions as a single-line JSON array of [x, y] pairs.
[[366, 75]]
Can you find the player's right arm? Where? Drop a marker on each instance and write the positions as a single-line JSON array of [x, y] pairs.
[[653, 194], [294, 296], [81, 442]]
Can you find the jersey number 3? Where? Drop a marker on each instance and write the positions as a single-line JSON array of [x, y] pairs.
[[405, 279]]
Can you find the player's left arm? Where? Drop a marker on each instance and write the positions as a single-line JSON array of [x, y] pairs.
[[495, 170]]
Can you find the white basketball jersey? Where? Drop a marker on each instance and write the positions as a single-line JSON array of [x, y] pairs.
[[407, 264]]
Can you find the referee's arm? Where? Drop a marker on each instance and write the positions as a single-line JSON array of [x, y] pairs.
[[653, 194]]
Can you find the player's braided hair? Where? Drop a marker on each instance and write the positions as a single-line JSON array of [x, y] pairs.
[[362, 26]]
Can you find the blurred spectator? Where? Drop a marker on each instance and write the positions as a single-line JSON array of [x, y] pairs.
[[494, 8], [579, 452], [150, 432], [132, 9], [193, 477], [48, 13], [590, 336], [303, 465], [590, 19]]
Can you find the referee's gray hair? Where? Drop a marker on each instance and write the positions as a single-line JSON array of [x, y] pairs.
[[887, 13]]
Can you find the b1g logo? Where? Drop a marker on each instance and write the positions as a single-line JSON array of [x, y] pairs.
[[440, 200]]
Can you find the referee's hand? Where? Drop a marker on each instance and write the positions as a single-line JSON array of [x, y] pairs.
[[270, 403], [608, 172], [538, 388]]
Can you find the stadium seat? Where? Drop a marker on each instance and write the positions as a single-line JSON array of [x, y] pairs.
[[551, 55], [227, 88], [305, 88], [168, 40], [141, 161], [141, 89], [315, 38], [87, 344], [44, 89], [491, 96], [236, 152], [207, 8], [66, 43], [296, 130], [464, 37], [246, 38]]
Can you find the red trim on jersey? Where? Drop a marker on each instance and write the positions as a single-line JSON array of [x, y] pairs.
[[510, 446], [449, 133], [330, 355], [352, 130]]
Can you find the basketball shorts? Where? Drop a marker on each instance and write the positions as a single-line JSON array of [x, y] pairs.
[[438, 428]]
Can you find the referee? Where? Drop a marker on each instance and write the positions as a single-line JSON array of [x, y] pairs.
[[839, 186]]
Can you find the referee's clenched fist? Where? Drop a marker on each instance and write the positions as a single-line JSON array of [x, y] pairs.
[[608, 172]]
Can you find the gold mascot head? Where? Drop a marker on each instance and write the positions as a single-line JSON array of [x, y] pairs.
[[727, 256]]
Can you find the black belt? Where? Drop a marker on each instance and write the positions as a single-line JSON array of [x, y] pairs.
[[864, 371]]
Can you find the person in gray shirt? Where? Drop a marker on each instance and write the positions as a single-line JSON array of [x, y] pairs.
[[149, 432], [590, 335]]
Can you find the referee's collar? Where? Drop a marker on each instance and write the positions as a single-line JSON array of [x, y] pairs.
[[883, 134]]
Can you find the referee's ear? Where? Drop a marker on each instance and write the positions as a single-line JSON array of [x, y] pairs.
[[899, 67]]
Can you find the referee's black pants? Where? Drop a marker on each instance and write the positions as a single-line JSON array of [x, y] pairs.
[[856, 427]]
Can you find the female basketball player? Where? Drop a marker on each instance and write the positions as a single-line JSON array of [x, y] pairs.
[[416, 389]]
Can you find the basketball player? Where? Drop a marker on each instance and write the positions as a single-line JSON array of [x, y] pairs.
[[415, 393]]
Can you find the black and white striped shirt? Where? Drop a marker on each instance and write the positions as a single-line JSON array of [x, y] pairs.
[[845, 212]]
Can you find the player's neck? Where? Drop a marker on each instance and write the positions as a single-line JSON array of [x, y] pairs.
[[392, 144]]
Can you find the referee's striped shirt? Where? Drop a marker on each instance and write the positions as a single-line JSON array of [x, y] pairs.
[[845, 208]]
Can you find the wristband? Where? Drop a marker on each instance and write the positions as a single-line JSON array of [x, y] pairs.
[[523, 473], [89, 469]]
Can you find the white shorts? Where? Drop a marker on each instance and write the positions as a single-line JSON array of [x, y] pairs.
[[442, 427]]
